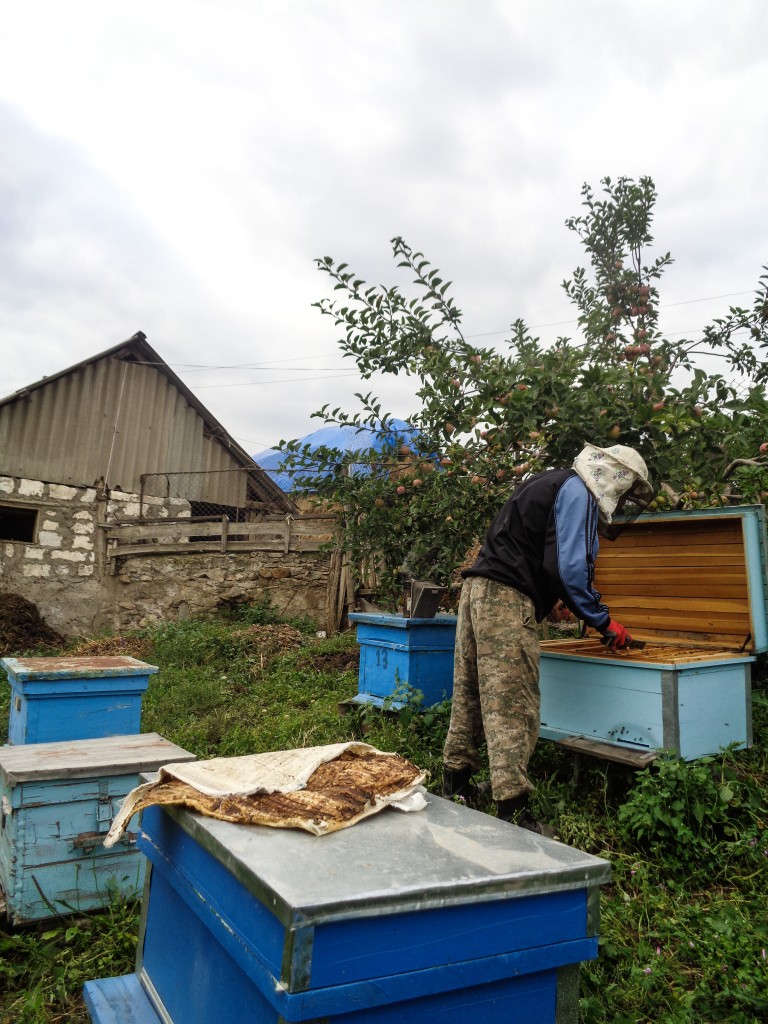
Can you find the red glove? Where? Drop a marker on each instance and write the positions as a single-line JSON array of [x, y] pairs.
[[561, 613], [616, 637]]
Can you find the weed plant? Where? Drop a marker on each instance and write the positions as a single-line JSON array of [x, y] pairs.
[[684, 928]]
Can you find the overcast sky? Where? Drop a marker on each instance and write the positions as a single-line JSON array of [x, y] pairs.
[[175, 167]]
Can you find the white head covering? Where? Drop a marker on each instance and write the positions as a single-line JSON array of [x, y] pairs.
[[611, 472]]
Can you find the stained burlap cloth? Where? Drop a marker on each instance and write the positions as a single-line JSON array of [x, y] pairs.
[[318, 789]]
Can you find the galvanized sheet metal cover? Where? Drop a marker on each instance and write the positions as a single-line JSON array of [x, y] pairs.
[[445, 855]]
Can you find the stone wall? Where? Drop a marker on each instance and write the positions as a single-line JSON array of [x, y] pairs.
[[67, 574], [154, 587]]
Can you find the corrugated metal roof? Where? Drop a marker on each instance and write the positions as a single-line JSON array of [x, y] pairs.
[[119, 415]]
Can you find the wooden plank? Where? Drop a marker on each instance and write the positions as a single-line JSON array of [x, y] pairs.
[[118, 1001], [727, 574], [687, 534], [686, 605], [673, 556], [175, 528], [680, 618], [608, 752], [179, 528], [139, 550], [732, 592]]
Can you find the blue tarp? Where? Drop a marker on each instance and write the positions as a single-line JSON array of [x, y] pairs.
[[345, 438]]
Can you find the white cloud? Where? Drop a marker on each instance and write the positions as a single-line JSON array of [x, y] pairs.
[[176, 167]]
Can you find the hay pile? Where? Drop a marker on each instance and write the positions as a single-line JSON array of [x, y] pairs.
[[137, 647], [263, 643], [21, 627]]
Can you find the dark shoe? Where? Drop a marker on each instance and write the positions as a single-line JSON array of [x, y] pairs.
[[516, 812], [509, 810], [458, 783]]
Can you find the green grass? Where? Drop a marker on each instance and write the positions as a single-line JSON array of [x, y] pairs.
[[684, 929]]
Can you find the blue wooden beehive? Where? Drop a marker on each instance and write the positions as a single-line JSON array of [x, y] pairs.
[[57, 801], [692, 585], [70, 698], [441, 915], [396, 651]]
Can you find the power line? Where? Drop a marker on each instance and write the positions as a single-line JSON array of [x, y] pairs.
[[664, 305], [287, 380]]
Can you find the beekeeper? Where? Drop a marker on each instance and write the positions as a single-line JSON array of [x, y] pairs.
[[539, 550]]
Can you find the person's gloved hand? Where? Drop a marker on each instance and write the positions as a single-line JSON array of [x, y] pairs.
[[615, 637], [561, 613]]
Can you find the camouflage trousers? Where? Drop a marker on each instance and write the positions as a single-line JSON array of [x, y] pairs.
[[495, 685]]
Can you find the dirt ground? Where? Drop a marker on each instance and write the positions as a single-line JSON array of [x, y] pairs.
[[332, 661], [21, 627]]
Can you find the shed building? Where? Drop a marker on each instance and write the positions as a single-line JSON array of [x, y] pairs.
[[124, 420]]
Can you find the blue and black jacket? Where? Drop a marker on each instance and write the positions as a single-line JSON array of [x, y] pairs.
[[543, 542]]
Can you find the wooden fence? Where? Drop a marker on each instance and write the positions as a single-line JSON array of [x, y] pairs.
[[285, 534], [217, 535]]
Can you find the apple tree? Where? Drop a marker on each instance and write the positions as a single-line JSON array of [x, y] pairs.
[[490, 416]]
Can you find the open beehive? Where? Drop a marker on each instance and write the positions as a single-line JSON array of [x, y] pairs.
[[692, 586]]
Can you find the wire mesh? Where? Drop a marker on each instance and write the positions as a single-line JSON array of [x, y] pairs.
[[203, 495]]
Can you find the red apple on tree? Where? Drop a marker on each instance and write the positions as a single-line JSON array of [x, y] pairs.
[[764, 448]]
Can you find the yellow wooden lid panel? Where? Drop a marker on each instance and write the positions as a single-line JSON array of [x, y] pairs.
[[678, 579]]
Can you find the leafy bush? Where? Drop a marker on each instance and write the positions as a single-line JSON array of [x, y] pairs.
[[693, 815]]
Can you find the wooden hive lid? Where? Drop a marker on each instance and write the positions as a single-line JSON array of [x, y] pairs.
[[698, 576]]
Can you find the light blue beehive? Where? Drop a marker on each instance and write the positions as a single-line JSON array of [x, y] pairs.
[[397, 651], [75, 698], [692, 585], [57, 801]]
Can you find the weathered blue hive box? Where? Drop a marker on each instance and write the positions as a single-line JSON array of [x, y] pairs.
[[692, 585], [441, 915], [396, 651], [57, 801], [70, 698]]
